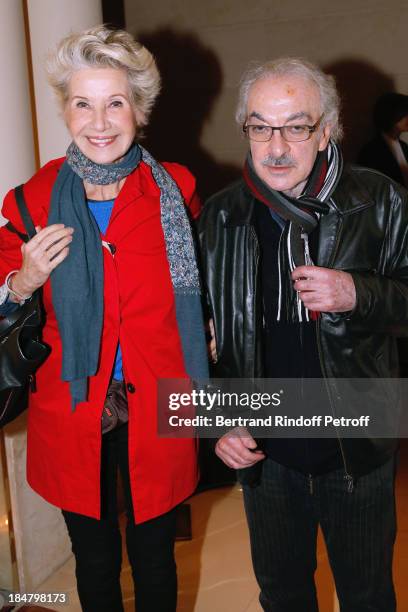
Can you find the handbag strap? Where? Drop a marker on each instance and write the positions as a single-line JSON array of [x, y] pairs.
[[15, 316], [29, 310], [23, 210], [25, 216]]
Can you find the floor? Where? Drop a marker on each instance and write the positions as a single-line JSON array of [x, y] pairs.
[[215, 572]]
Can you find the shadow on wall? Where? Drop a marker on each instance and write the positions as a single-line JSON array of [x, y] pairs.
[[360, 83], [191, 82]]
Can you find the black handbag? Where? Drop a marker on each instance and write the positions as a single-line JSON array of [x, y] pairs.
[[21, 348]]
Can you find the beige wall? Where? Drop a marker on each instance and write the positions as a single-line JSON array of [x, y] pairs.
[[8, 569], [49, 22], [362, 41], [41, 542], [17, 163], [17, 159]]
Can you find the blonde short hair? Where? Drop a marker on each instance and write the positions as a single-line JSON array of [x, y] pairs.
[[101, 47], [329, 97]]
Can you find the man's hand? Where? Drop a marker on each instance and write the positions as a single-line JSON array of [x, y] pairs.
[[324, 290], [234, 449]]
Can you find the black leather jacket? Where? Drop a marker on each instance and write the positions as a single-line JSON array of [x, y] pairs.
[[364, 233]]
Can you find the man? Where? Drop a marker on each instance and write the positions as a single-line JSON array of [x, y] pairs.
[[306, 265]]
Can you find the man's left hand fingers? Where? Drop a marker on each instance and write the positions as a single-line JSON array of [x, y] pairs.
[[309, 272], [305, 284]]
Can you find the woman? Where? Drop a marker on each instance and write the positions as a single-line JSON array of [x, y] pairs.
[[387, 152], [115, 258]]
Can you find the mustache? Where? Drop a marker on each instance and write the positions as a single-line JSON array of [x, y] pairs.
[[283, 160]]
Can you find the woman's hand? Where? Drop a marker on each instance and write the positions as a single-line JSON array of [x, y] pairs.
[[213, 344], [44, 252]]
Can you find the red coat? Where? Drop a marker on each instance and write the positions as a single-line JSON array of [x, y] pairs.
[[64, 447]]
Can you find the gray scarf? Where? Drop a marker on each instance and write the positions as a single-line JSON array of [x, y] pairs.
[[77, 283]]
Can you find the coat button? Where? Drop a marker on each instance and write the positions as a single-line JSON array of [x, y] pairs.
[[131, 388]]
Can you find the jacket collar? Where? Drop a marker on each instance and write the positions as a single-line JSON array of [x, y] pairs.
[[349, 196], [241, 206], [139, 182], [139, 185]]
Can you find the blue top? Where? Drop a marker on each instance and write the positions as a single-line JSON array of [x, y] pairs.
[[101, 210]]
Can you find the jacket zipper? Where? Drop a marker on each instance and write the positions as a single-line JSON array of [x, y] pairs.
[[7, 404], [348, 477], [256, 253]]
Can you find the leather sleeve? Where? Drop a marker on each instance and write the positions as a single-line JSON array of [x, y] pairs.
[[382, 295]]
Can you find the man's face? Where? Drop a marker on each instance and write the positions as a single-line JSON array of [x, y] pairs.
[[285, 100]]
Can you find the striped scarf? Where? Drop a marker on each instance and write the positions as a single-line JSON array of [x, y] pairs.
[[297, 217]]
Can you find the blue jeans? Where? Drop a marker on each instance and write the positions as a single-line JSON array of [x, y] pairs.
[[359, 528]]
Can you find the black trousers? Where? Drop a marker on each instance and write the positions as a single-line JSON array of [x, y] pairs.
[[359, 528], [97, 544]]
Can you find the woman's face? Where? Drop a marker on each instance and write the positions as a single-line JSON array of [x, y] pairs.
[[402, 125], [99, 113]]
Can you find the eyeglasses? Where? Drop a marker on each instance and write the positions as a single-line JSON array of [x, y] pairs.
[[290, 133]]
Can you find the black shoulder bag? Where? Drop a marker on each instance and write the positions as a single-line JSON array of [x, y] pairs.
[[21, 349]]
